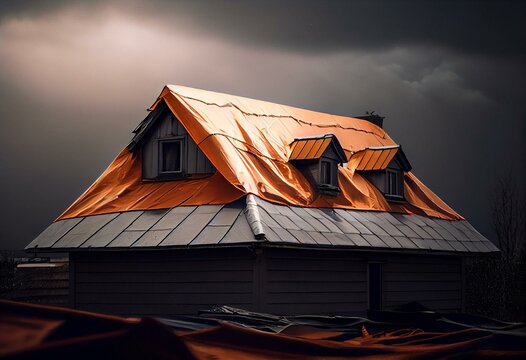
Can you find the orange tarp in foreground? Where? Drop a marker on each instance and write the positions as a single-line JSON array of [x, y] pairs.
[[43, 332], [248, 141]]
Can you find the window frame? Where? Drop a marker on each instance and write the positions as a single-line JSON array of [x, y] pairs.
[[182, 155], [328, 165], [399, 188]]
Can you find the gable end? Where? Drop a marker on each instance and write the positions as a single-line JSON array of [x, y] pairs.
[[168, 151]]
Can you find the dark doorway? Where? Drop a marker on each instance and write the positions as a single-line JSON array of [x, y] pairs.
[[375, 286]]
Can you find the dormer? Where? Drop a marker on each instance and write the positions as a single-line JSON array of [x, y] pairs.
[[384, 167], [318, 157], [167, 150]]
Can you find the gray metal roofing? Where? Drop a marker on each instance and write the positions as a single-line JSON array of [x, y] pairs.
[[255, 220]]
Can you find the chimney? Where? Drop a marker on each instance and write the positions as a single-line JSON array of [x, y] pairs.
[[373, 118]]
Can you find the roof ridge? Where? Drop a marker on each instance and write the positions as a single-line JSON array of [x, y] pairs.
[[230, 104]]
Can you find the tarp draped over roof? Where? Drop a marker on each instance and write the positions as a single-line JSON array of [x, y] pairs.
[[372, 158], [248, 142], [313, 147], [31, 331]]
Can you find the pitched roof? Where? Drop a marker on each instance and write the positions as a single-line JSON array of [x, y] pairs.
[[254, 220], [313, 147], [377, 158], [249, 143]]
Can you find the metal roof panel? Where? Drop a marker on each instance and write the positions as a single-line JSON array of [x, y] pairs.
[[240, 231], [226, 216], [112, 229], [314, 222], [358, 240], [223, 224], [151, 238], [405, 242], [173, 218], [285, 236], [210, 235], [126, 238], [53, 233], [319, 238], [303, 236], [84, 230], [390, 241], [191, 226], [420, 243], [147, 220], [375, 241]]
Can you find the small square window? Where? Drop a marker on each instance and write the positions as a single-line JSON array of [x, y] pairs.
[[171, 156], [325, 176]]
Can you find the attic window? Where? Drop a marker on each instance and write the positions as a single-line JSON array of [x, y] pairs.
[[325, 173], [171, 157], [317, 157], [384, 167], [395, 186]]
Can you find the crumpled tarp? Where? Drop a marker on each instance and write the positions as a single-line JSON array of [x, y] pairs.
[[43, 332], [248, 142]]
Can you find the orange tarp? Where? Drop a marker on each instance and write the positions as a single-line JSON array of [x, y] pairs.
[[248, 142], [313, 148], [31, 331], [372, 159]]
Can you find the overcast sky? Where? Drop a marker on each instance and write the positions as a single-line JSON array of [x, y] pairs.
[[76, 77]]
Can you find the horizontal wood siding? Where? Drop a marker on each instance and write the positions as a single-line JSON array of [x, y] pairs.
[[311, 282], [274, 280], [163, 283], [433, 281]]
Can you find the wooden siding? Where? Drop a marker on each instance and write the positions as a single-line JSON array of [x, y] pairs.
[[312, 282], [377, 178], [281, 281], [167, 126], [434, 281], [330, 154], [163, 283]]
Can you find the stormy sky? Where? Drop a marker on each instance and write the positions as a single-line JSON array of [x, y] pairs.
[[76, 77]]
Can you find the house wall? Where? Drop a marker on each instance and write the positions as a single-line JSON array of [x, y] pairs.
[[162, 283], [274, 280], [321, 282], [435, 282], [168, 126]]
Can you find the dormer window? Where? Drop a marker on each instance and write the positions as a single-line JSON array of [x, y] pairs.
[[318, 158], [394, 188], [384, 167], [325, 173], [171, 157], [168, 151]]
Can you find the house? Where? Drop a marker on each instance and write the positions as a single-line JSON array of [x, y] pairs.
[[224, 200]]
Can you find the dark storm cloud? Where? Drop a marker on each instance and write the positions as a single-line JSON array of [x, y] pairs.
[[76, 77], [482, 27]]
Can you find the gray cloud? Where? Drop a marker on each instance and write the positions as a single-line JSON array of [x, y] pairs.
[[482, 27], [75, 79]]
